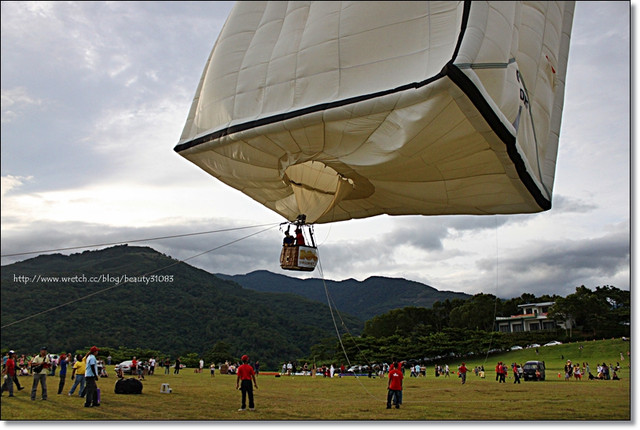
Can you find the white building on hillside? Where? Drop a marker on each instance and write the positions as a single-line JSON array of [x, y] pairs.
[[533, 318]]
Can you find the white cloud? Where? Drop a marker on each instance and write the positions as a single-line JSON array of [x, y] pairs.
[[10, 182], [15, 102]]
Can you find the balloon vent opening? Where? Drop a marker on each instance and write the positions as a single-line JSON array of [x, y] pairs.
[[317, 188]]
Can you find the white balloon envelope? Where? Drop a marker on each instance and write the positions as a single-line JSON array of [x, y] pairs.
[[341, 110]]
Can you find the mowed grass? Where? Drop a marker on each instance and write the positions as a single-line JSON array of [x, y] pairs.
[[199, 397]]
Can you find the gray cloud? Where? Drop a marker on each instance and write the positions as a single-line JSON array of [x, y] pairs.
[[418, 233], [236, 252], [557, 267], [568, 204], [547, 267], [428, 233]]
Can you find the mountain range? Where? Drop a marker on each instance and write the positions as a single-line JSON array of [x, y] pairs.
[[137, 297], [364, 299]]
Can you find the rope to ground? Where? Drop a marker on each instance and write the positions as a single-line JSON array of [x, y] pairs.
[[335, 325], [344, 351], [146, 274], [132, 241]]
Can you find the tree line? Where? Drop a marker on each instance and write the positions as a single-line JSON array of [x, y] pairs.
[[449, 328], [218, 353], [467, 327]]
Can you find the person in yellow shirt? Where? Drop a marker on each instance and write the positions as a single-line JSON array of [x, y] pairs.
[[78, 373]]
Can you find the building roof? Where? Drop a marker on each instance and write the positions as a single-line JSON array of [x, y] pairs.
[[537, 304], [540, 316]]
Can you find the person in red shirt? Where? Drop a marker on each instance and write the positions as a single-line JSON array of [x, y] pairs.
[[246, 374], [501, 372], [10, 373], [463, 372], [395, 386]]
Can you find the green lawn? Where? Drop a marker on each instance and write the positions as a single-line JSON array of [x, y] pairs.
[[200, 397]]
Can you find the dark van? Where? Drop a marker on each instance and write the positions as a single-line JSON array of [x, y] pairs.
[[533, 371]]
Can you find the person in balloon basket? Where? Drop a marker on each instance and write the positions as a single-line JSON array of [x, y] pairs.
[[394, 391], [245, 376], [91, 376], [288, 239]]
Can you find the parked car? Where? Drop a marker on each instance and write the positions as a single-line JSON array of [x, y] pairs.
[[125, 366], [531, 369], [533, 345], [515, 348], [553, 343]]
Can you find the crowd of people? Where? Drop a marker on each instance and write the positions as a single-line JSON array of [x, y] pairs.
[[291, 368], [87, 369], [503, 371], [417, 370], [603, 371], [85, 372]]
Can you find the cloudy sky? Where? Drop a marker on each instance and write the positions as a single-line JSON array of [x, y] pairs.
[[94, 98]]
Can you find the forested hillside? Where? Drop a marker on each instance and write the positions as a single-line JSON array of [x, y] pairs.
[[374, 296], [102, 298], [460, 328], [177, 310]]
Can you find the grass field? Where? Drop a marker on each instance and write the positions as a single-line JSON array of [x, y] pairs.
[[199, 397]]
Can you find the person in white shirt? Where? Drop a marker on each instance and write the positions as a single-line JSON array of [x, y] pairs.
[[91, 376]]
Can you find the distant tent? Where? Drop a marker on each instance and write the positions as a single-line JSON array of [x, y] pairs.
[[341, 110]]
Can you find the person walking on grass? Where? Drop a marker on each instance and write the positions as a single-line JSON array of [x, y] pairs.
[[394, 389], [40, 365], [516, 373], [463, 373], [62, 364], [134, 366], [91, 376], [246, 374], [20, 367], [77, 375], [152, 366], [9, 373]]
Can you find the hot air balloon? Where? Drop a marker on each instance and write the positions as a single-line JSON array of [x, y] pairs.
[[342, 110]]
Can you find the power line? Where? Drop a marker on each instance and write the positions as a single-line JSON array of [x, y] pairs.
[[146, 274], [132, 241]]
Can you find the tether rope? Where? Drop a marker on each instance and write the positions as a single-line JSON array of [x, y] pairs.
[[132, 241], [344, 351], [495, 302], [146, 274]]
